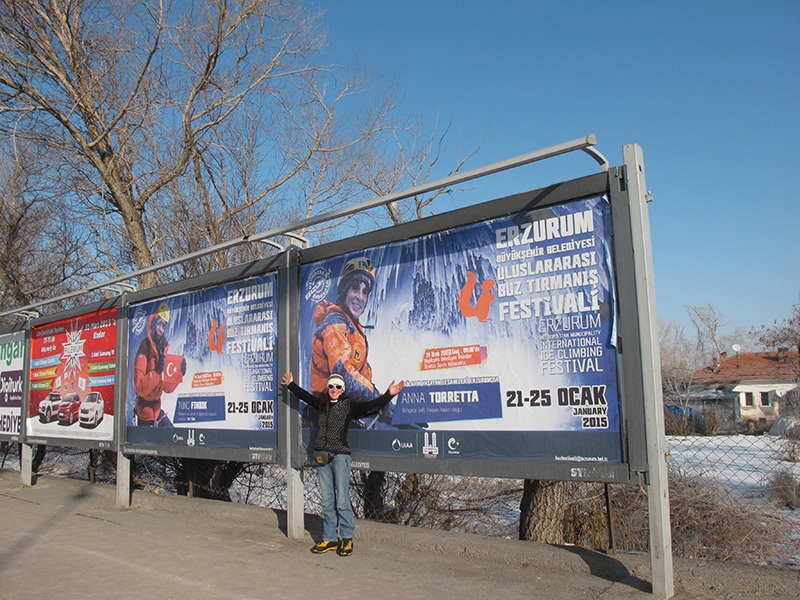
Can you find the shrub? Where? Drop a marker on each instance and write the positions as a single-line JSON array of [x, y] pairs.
[[784, 488], [707, 522]]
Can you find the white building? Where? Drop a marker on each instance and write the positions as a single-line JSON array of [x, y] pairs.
[[760, 380]]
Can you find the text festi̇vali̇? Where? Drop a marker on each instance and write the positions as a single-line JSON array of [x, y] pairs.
[[251, 320], [553, 271]]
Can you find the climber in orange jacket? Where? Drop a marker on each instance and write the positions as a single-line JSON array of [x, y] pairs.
[[340, 345], [148, 371]]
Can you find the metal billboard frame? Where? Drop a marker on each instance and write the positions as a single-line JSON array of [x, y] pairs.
[[229, 275], [592, 185], [67, 442], [642, 407]]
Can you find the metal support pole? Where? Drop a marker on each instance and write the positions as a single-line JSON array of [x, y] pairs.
[[290, 427], [123, 481], [295, 502], [92, 468], [26, 464], [124, 470], [657, 486], [188, 464], [612, 535]]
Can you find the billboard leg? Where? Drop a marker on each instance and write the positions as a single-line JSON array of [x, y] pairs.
[[26, 464], [657, 484], [295, 503], [123, 481], [290, 421]]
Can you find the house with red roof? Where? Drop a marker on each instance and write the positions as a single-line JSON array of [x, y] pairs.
[[755, 382]]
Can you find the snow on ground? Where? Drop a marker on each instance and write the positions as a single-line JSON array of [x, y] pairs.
[[742, 464]]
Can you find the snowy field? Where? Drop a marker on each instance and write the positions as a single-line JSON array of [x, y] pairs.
[[742, 464]]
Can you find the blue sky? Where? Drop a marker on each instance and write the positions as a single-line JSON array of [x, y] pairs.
[[710, 90]]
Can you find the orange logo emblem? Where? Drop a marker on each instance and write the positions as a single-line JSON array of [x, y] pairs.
[[484, 302], [216, 337]]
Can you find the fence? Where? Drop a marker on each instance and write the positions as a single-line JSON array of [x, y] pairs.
[[732, 497]]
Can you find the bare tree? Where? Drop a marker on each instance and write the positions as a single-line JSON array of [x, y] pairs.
[[679, 361], [782, 334], [711, 343], [218, 118], [708, 323], [410, 164], [682, 356], [41, 251], [678, 357]]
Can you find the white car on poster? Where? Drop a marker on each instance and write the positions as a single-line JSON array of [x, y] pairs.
[[48, 408], [92, 410]]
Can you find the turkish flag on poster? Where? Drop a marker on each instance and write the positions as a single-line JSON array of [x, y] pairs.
[[173, 372]]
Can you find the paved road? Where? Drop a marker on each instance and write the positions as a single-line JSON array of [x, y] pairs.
[[65, 539]]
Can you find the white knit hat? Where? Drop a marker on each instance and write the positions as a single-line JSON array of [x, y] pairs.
[[335, 378]]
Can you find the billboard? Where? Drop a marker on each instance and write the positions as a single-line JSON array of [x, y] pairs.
[[202, 369], [12, 359], [72, 375], [503, 330]]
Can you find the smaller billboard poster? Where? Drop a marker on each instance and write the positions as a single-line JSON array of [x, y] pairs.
[[72, 376], [12, 359], [202, 368]]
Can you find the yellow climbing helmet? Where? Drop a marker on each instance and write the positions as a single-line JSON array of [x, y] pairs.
[[163, 311], [356, 269]]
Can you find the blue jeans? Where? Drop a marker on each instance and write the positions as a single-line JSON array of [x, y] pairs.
[[337, 512]]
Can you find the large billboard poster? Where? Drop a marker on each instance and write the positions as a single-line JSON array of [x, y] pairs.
[[12, 359], [504, 332], [202, 368], [72, 376]]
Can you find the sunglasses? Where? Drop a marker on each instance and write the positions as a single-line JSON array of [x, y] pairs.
[[334, 385]]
